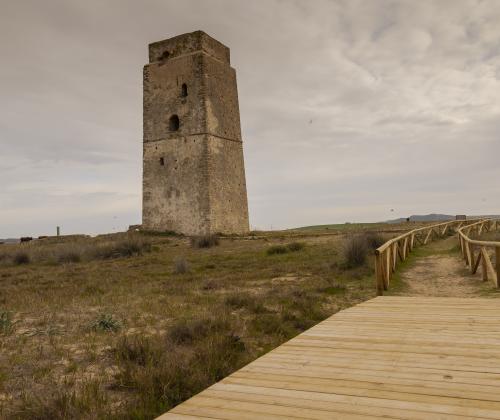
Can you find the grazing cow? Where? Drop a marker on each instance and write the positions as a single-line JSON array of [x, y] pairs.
[[26, 239]]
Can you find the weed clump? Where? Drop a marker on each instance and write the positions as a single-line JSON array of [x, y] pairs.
[[205, 241], [128, 247], [283, 249], [181, 266], [6, 323], [355, 252], [21, 258], [106, 323]]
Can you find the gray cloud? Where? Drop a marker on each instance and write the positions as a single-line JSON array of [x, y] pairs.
[[349, 108]]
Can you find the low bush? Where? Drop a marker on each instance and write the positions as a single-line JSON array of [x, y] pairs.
[[128, 247], [187, 332], [355, 251], [296, 246], [276, 249], [204, 241], [21, 257], [283, 249]]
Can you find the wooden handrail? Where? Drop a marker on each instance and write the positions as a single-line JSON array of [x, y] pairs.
[[386, 256], [467, 247]]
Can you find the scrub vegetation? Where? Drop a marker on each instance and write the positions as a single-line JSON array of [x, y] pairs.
[[129, 325]]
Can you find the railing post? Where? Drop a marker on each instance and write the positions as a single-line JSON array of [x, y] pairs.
[[472, 258], [379, 274], [484, 265], [497, 265], [388, 267]]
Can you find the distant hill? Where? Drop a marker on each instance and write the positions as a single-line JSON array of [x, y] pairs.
[[9, 241], [424, 218], [438, 218]]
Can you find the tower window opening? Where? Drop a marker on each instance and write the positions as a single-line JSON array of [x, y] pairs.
[[173, 123], [184, 90], [162, 161]]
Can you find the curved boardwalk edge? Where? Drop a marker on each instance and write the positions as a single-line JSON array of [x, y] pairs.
[[397, 249], [399, 357], [468, 247]]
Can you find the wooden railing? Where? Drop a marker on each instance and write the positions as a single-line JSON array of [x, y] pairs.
[[483, 258], [397, 249]]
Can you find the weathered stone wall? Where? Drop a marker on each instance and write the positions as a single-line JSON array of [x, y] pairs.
[[194, 177]]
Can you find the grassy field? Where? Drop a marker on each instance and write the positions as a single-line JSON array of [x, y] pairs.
[[129, 325]]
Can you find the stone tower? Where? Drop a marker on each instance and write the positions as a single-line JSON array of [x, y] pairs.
[[193, 174]]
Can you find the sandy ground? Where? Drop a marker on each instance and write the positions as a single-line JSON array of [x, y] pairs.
[[443, 274]]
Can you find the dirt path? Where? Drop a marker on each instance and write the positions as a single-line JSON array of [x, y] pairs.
[[441, 272]]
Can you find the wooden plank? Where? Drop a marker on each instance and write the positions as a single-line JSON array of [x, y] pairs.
[[497, 264], [390, 357]]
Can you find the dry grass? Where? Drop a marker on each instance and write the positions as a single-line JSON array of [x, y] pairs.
[[104, 328]]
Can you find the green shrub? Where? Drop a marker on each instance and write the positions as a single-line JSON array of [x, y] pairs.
[[106, 323], [296, 246], [276, 249], [283, 249]]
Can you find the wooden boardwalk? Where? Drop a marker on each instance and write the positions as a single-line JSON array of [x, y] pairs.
[[393, 357]]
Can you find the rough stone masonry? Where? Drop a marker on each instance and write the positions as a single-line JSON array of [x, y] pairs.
[[193, 173]]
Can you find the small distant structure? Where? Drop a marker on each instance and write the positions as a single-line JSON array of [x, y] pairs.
[[58, 231], [26, 239], [460, 217], [407, 220]]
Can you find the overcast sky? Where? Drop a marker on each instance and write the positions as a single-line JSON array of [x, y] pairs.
[[348, 108]]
